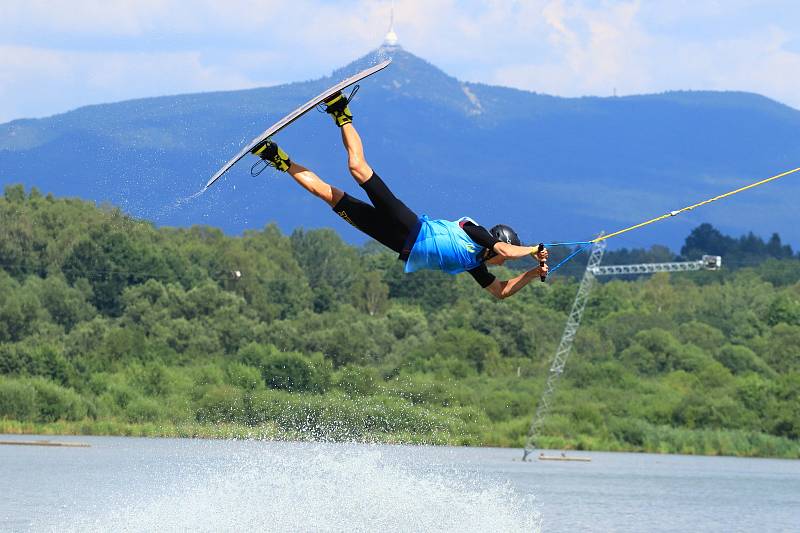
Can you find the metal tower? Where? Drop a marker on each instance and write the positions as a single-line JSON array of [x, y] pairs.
[[565, 346], [593, 269], [391, 39]]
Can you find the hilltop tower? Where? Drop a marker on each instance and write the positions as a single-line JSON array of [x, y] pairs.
[[390, 40]]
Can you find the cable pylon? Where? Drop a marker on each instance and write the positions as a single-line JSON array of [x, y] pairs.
[[565, 346], [593, 269]]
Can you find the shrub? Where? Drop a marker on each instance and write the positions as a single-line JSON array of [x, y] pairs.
[[287, 370], [501, 405], [144, 410], [698, 410], [244, 376], [783, 309], [359, 381], [58, 403], [629, 430], [700, 334], [255, 354], [121, 394], [784, 348], [208, 375], [335, 416], [17, 400], [221, 403], [35, 359], [441, 367], [150, 378]]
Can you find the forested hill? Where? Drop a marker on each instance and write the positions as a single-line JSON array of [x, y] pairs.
[[110, 325], [555, 168]]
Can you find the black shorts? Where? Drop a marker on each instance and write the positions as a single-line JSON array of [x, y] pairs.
[[388, 220]]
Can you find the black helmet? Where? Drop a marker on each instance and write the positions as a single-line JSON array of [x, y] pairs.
[[505, 234]]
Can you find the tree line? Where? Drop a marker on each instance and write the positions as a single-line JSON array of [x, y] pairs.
[[109, 324]]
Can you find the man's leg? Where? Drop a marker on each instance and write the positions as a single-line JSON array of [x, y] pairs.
[[356, 161], [271, 153], [359, 214], [397, 221], [313, 184], [395, 212], [337, 107]]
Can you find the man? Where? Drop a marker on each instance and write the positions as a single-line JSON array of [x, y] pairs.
[[453, 247]]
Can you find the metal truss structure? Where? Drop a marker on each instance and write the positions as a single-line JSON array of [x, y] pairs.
[[708, 262], [593, 270]]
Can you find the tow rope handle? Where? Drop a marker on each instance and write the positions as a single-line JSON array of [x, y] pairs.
[[540, 248]]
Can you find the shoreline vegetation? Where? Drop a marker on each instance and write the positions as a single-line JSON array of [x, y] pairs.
[[721, 443], [110, 326]]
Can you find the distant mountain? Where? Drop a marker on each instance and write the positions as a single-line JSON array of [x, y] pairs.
[[556, 168]]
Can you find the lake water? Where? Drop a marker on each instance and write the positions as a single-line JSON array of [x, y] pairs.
[[127, 484]]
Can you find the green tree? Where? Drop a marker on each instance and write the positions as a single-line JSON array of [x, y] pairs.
[[330, 266], [784, 348], [701, 335], [784, 309], [656, 351], [371, 294], [112, 260], [783, 414], [470, 346], [407, 321], [19, 310], [740, 359], [66, 306]]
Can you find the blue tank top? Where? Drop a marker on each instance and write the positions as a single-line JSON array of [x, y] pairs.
[[443, 245]]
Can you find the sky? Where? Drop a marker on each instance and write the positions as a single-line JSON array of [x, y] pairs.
[[57, 55]]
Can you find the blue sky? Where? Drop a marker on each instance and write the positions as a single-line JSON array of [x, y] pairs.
[[58, 55]]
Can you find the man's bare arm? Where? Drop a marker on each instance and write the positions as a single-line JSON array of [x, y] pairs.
[[504, 289], [510, 251]]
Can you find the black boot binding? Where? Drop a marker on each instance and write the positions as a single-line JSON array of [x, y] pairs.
[[337, 106], [272, 155]]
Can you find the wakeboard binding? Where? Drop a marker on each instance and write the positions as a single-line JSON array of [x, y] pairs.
[[336, 106], [272, 154]]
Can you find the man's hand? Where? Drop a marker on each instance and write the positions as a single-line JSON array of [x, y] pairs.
[[540, 256], [542, 270], [540, 253], [504, 289]]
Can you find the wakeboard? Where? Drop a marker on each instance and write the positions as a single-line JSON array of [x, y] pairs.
[[297, 113]]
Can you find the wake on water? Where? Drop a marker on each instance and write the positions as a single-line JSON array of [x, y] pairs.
[[319, 487]]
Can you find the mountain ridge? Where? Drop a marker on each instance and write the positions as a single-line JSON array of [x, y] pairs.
[[446, 146]]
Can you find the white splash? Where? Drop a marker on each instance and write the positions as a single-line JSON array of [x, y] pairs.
[[181, 201], [167, 209], [323, 488]]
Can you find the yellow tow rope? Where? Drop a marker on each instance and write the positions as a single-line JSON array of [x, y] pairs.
[[704, 202]]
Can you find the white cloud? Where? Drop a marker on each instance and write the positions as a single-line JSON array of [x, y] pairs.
[[758, 62], [612, 46], [33, 79], [99, 17], [89, 51], [592, 51]]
